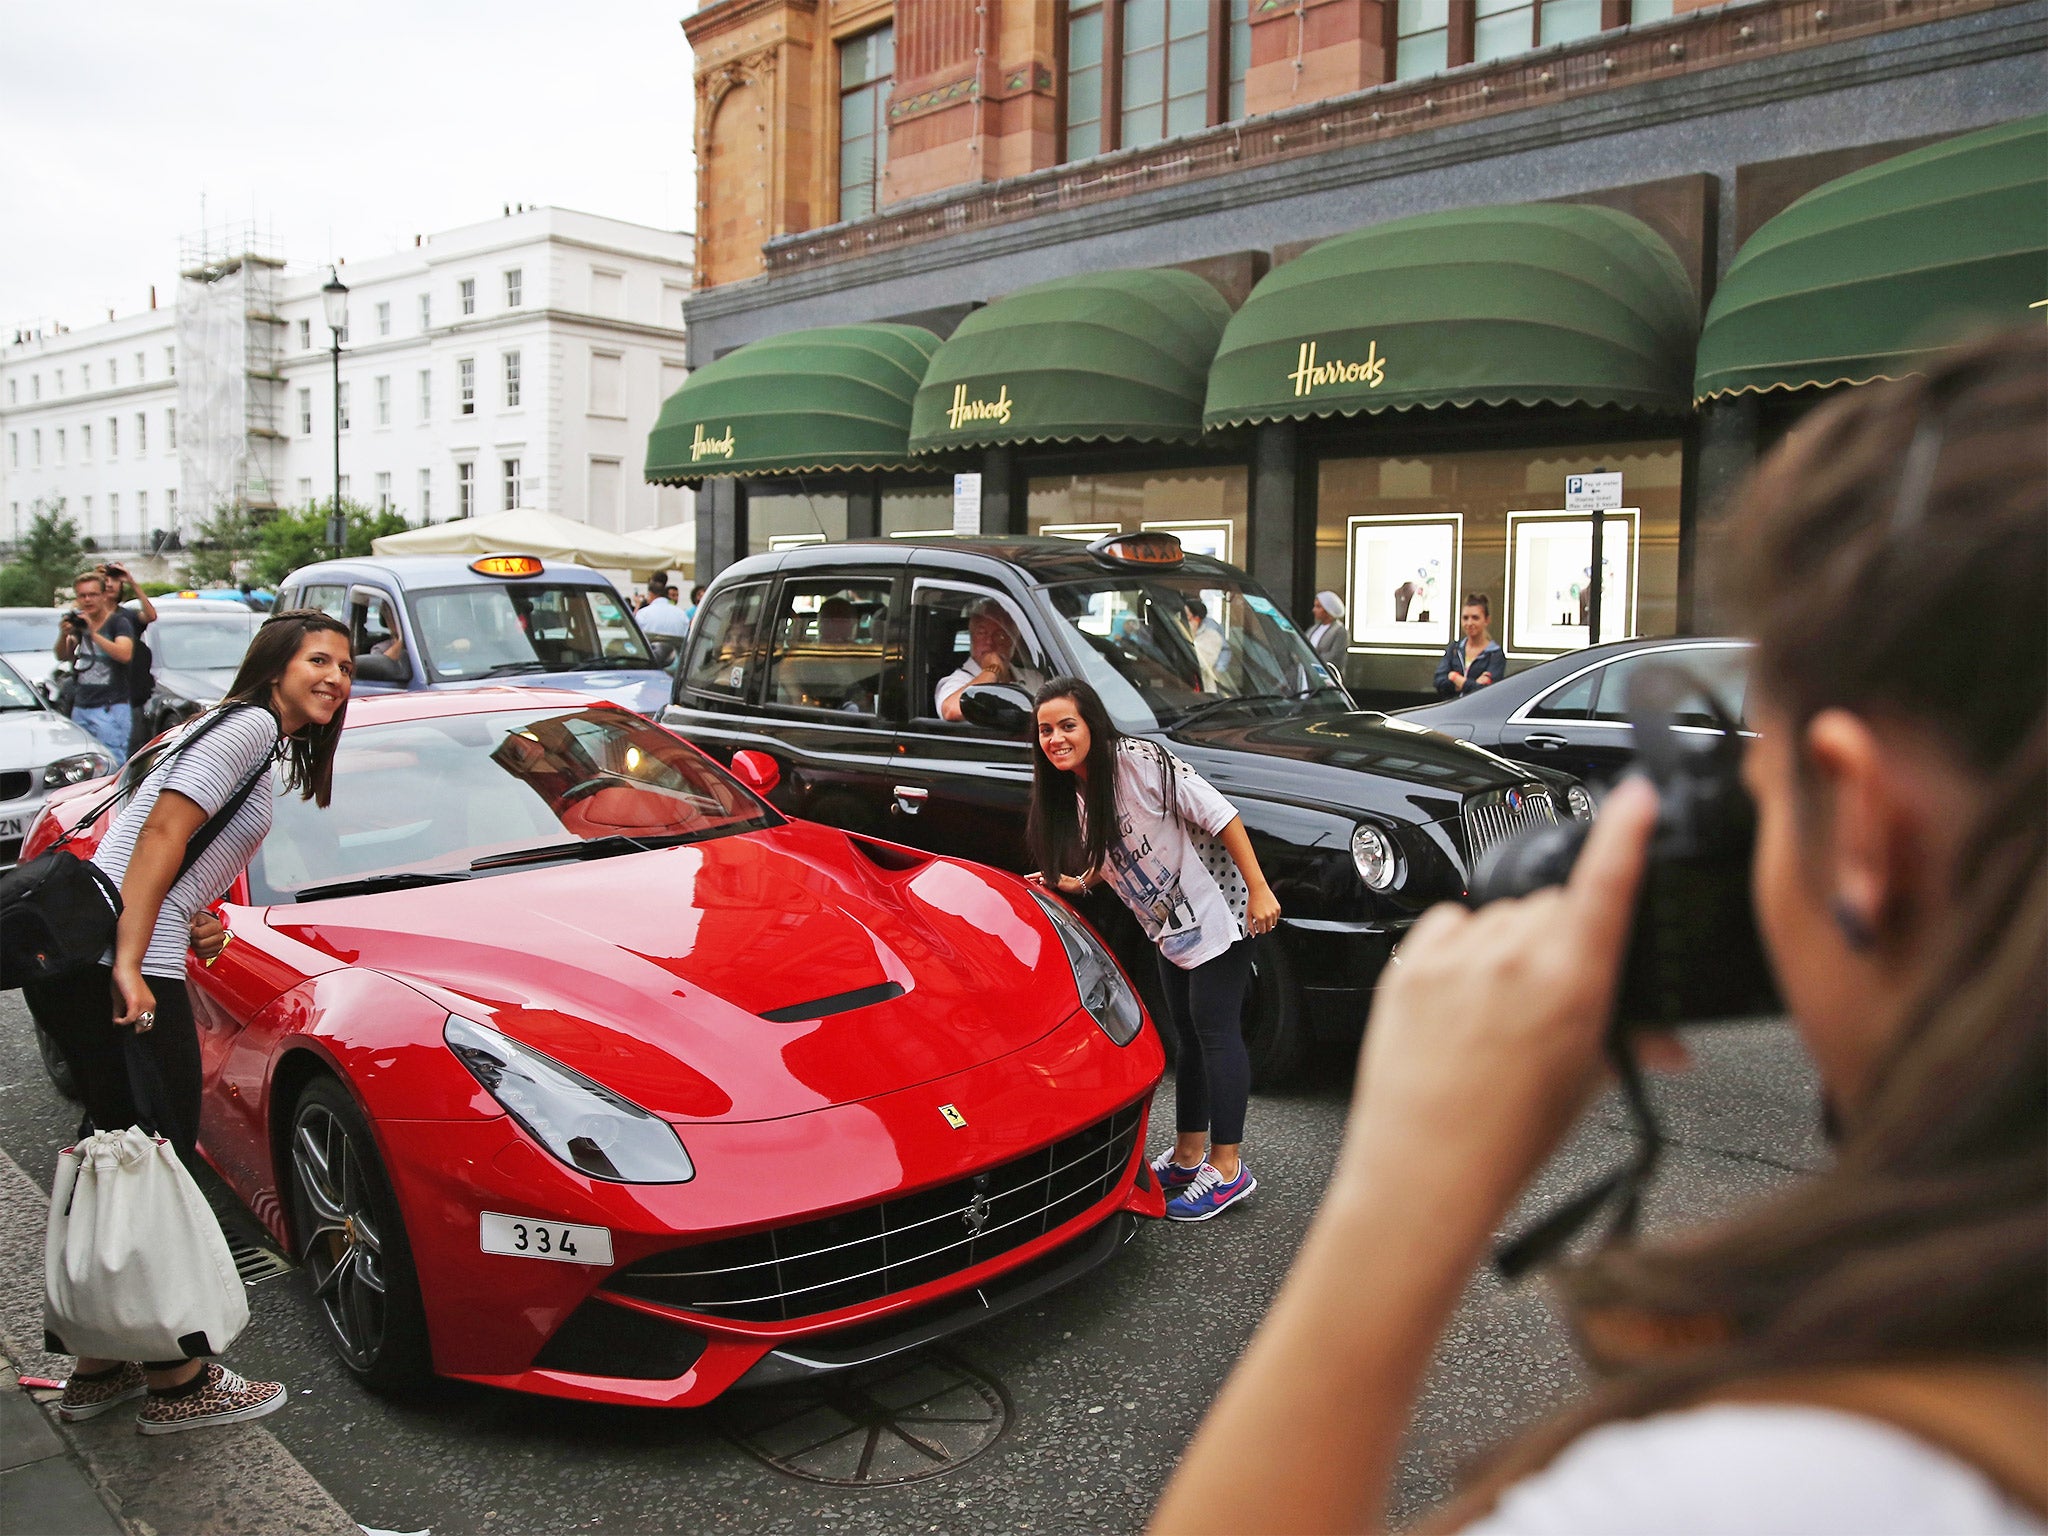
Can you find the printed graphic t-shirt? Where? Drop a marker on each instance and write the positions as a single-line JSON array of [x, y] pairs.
[[1169, 869], [103, 681], [208, 772]]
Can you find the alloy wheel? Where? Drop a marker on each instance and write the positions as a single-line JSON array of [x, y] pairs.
[[340, 1232]]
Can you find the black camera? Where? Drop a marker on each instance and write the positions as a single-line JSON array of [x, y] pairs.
[[1694, 953], [73, 619]]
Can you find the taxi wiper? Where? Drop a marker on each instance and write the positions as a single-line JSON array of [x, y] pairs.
[[404, 880], [1209, 707], [583, 848], [594, 662], [505, 667]]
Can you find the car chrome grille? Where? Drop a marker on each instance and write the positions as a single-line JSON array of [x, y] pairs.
[[1501, 813], [879, 1250], [14, 785]]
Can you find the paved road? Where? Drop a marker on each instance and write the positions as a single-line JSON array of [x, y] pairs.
[[1103, 1383]]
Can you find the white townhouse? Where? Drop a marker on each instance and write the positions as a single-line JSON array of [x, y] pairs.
[[516, 362]]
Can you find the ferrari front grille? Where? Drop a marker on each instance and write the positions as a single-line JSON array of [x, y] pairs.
[[879, 1250], [1498, 814]]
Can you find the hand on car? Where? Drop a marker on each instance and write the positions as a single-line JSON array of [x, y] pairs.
[[1262, 911], [1484, 1041], [209, 935]]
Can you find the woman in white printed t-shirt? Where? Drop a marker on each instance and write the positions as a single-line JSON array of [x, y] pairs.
[[287, 702], [1116, 808]]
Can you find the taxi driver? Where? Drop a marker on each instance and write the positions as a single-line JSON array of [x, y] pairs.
[[992, 657]]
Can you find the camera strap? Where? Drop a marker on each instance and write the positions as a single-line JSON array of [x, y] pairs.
[[1622, 1188]]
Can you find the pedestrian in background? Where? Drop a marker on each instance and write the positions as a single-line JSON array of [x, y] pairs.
[[98, 639], [288, 701], [1106, 807], [1327, 633], [696, 597], [1865, 1350], [141, 665], [660, 616], [1473, 661]]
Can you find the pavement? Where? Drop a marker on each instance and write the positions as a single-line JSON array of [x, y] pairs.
[[1068, 1415]]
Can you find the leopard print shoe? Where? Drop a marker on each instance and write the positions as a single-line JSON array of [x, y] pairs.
[[222, 1398], [87, 1397]]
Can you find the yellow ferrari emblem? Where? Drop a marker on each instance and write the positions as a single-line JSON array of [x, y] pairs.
[[953, 1117]]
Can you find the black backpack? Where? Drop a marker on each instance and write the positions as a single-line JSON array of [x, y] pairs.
[[141, 668]]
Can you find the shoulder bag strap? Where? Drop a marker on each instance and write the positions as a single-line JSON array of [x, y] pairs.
[[217, 823], [205, 723]]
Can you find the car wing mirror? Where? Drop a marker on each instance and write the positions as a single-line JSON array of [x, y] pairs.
[[663, 651], [756, 770], [382, 669], [997, 707]]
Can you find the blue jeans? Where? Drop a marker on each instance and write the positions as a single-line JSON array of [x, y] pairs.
[[107, 724]]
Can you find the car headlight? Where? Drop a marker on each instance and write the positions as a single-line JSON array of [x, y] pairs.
[[1104, 992], [1373, 852], [1580, 799], [583, 1123], [76, 769]]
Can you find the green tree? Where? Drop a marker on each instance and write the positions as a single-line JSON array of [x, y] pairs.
[[218, 544], [298, 536], [48, 558]]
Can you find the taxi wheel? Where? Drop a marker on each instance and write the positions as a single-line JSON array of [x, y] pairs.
[[1275, 1033], [55, 1064], [352, 1241]]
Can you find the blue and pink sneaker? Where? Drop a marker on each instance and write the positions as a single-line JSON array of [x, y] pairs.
[[1171, 1176], [1208, 1194]]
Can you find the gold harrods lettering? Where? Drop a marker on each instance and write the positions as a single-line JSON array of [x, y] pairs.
[[1311, 375], [702, 447], [964, 409]]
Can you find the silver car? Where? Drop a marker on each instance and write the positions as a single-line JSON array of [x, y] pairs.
[[39, 751], [28, 641]]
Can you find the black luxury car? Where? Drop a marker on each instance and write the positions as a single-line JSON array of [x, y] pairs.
[[1571, 712], [830, 659]]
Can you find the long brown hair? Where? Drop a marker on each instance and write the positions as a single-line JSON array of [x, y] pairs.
[[310, 750], [1054, 832], [1890, 558]]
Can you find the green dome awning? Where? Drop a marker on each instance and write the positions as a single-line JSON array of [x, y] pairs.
[[834, 398], [1533, 303], [1104, 356], [1863, 276]]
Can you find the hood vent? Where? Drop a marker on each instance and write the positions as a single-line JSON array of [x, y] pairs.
[[838, 1002], [888, 855]]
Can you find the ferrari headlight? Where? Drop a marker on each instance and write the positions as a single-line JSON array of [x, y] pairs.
[[583, 1123], [1580, 799], [1104, 993], [1373, 852], [76, 769]]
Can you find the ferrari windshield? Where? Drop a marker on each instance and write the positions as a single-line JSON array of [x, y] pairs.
[[496, 629], [1160, 648], [202, 643], [414, 799]]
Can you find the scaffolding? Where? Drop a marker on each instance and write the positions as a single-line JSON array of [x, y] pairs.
[[230, 372]]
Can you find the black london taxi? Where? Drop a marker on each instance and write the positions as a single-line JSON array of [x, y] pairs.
[[823, 675]]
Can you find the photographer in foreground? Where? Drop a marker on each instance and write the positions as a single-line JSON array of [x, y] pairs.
[[1866, 1351], [100, 639]]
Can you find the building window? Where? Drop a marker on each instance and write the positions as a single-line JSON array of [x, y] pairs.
[[511, 379], [14, 391], [35, 387], [344, 487], [426, 312], [171, 506], [384, 318], [113, 372], [170, 363], [171, 429], [383, 399], [426, 395], [113, 512], [1435, 35], [426, 496], [142, 358], [1240, 63], [60, 381], [867, 65], [1165, 71], [113, 437], [341, 406], [383, 490], [1423, 41], [141, 433], [306, 490], [85, 443], [141, 509], [305, 413], [1501, 28], [1139, 71], [467, 289], [511, 476], [85, 511], [1084, 80], [60, 447], [85, 377], [465, 489], [605, 368], [36, 446], [14, 450], [515, 287], [305, 335], [465, 386]]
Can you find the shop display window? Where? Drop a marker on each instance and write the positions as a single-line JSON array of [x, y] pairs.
[[789, 521], [918, 512], [1501, 514], [1204, 508]]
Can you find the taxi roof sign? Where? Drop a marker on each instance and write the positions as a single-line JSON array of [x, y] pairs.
[[507, 565], [1149, 548]]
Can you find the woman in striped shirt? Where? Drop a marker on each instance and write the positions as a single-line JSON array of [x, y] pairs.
[[287, 705]]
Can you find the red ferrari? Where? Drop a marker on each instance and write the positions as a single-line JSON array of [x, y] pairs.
[[567, 1064]]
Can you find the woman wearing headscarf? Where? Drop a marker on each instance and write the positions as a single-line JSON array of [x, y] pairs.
[[1327, 635]]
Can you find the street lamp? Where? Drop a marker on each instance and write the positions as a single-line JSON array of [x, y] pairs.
[[334, 295]]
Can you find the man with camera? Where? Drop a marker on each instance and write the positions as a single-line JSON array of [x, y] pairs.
[[99, 640]]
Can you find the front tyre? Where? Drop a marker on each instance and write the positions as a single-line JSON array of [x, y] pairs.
[[351, 1238], [1275, 1032]]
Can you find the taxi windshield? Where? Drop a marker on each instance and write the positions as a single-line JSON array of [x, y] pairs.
[[1160, 649], [430, 798], [495, 629]]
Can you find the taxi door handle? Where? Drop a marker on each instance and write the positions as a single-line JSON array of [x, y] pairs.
[[910, 799], [1547, 743]]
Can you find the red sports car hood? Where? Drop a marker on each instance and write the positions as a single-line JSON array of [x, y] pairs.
[[651, 972]]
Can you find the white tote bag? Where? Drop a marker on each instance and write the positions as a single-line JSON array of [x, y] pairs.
[[135, 1266]]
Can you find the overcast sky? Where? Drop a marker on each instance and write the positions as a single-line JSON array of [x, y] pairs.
[[345, 129]]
